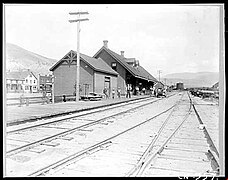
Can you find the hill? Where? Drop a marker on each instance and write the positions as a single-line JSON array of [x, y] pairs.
[[199, 79], [18, 58]]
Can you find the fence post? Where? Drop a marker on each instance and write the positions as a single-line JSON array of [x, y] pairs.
[[48, 100], [27, 101], [43, 99], [20, 99]]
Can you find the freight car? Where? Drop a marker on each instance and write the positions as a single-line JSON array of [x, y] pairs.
[[202, 93], [207, 93]]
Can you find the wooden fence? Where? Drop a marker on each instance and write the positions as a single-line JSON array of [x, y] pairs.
[[26, 101], [37, 100]]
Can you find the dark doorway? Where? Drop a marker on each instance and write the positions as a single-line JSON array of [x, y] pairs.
[[107, 85]]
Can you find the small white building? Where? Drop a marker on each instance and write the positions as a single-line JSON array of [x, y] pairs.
[[21, 81]]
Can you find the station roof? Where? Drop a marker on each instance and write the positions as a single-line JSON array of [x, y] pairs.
[[94, 63], [138, 72]]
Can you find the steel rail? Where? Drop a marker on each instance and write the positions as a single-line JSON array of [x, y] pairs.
[[144, 165], [213, 157], [150, 147], [47, 139], [75, 155], [214, 154], [212, 145], [67, 159]]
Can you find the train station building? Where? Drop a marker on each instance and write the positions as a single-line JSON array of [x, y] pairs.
[[95, 74], [128, 69], [105, 69]]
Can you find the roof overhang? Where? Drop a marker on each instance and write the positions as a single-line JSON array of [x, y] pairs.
[[149, 80]]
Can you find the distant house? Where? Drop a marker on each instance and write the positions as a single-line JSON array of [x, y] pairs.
[[128, 69], [94, 75], [21, 81]]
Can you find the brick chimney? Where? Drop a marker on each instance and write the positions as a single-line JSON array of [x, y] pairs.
[[122, 53], [105, 43], [136, 63]]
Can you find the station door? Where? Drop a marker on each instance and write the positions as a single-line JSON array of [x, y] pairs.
[[107, 85]]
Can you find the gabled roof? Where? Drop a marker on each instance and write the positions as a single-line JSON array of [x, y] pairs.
[[18, 75], [138, 71], [94, 63]]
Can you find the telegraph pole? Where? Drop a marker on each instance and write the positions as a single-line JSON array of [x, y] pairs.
[[159, 72], [78, 20], [53, 82]]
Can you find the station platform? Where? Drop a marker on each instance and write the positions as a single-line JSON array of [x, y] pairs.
[[17, 115]]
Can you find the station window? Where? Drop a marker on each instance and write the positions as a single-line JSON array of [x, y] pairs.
[[107, 79], [114, 65]]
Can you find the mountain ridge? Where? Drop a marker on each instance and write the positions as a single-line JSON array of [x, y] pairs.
[[18, 58], [189, 75], [198, 79]]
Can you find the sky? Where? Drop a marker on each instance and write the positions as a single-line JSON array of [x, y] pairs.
[[171, 38]]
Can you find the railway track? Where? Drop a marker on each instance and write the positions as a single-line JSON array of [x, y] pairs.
[[29, 143], [188, 151], [64, 125], [101, 146], [126, 147]]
